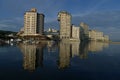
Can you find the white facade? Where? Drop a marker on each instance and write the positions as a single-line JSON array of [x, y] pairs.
[[65, 24], [97, 35], [33, 22], [30, 23], [76, 32]]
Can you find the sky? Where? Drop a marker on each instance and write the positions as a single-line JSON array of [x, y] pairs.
[[101, 15]]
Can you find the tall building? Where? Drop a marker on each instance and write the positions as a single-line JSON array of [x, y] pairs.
[[64, 19], [40, 23], [33, 22]]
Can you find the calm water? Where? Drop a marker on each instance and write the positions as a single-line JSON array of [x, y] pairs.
[[60, 61]]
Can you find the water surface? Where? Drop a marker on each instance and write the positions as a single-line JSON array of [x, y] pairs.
[[60, 61]]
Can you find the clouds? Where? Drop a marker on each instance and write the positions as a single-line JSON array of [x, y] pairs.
[[17, 8], [13, 24], [49, 7], [97, 13], [106, 18]]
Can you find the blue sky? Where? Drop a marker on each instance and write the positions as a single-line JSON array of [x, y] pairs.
[[103, 15]]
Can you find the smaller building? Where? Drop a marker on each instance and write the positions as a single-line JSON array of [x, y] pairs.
[[75, 33], [97, 36], [52, 30], [106, 38], [84, 31]]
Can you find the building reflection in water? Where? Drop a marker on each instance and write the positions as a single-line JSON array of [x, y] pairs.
[[52, 46], [39, 55], [83, 50], [69, 50], [33, 54], [64, 55], [95, 46]]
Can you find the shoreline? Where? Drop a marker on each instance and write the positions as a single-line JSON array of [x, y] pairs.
[[114, 42]]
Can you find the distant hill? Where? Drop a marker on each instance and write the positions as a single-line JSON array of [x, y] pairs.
[[4, 34], [7, 32]]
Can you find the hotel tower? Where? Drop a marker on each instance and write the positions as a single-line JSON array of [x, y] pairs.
[[33, 23]]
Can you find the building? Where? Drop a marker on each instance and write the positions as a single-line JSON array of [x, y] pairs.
[[33, 22], [75, 33], [52, 30], [64, 19], [40, 23], [106, 38], [97, 36], [84, 31]]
